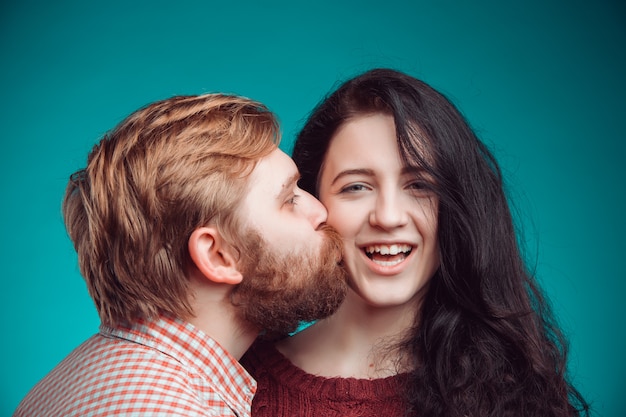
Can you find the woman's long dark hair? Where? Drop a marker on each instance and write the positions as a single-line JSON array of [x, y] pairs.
[[485, 342]]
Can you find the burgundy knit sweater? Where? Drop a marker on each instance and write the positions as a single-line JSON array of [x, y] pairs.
[[283, 390]]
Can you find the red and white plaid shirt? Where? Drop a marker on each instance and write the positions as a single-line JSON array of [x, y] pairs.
[[163, 367]]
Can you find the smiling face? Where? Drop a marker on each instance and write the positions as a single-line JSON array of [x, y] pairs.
[[387, 219]]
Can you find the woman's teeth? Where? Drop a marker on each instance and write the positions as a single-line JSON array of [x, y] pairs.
[[388, 255], [387, 249]]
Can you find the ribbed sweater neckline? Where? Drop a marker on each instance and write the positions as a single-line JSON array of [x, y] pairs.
[[335, 388]]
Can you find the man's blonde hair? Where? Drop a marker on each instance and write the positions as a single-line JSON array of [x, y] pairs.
[[167, 169]]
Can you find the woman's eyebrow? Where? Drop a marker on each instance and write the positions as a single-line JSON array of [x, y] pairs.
[[361, 171]]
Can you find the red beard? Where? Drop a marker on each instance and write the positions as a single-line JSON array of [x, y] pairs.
[[281, 289]]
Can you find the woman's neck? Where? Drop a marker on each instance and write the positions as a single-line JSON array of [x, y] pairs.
[[358, 341]]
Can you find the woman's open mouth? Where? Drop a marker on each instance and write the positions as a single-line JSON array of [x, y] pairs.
[[388, 255]]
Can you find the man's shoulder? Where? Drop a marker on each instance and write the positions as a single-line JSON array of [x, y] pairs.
[[114, 377]]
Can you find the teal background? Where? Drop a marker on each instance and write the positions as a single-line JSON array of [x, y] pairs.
[[542, 81]]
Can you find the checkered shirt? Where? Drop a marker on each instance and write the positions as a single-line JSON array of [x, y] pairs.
[[163, 367]]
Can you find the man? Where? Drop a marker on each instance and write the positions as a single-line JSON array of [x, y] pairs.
[[193, 237]]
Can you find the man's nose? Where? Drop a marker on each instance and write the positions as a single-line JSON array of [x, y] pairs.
[[314, 211]]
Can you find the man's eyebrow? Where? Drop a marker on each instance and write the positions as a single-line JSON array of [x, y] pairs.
[[287, 186]]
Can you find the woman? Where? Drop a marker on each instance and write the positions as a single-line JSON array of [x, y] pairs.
[[442, 316]]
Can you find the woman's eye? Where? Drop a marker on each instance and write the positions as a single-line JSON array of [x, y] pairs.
[[293, 200], [352, 188], [420, 188], [417, 185]]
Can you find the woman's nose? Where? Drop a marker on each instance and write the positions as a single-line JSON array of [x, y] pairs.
[[389, 212]]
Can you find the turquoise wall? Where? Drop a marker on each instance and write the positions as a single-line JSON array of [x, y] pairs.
[[542, 81]]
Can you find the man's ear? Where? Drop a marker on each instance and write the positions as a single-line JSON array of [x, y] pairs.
[[213, 257]]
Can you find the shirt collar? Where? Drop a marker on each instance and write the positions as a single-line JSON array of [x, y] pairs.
[[194, 348]]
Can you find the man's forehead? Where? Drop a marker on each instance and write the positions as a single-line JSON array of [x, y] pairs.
[[275, 174]]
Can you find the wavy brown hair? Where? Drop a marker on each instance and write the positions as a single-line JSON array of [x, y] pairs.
[[485, 342], [167, 169]]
